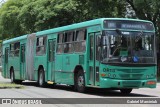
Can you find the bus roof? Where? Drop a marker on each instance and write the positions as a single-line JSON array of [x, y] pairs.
[[83, 24], [15, 39], [70, 27]]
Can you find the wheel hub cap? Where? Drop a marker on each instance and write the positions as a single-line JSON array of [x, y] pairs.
[[80, 81]]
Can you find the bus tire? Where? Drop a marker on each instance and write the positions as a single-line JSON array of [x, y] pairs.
[[126, 91], [80, 82], [13, 80], [12, 77], [41, 78]]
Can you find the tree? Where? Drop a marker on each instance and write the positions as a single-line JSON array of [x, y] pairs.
[[147, 10], [9, 25], [91, 9], [27, 16], [54, 13], [18, 17]]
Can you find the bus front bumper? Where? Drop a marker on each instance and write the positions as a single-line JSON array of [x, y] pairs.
[[115, 83]]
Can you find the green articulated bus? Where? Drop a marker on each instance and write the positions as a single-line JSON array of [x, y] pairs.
[[116, 53]]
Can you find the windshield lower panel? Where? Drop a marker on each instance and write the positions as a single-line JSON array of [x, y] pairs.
[[128, 47]]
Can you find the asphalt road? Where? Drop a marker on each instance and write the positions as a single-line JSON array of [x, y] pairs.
[[31, 90]]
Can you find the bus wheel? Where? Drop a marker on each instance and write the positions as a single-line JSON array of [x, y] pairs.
[[12, 77], [125, 91], [80, 82], [41, 78]]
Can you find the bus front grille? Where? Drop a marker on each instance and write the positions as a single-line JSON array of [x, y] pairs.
[[131, 73], [131, 83], [131, 76], [132, 70]]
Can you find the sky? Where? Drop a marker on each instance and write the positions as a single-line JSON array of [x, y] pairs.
[[2, 1]]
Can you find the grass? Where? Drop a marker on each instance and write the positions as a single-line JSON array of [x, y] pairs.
[[10, 85]]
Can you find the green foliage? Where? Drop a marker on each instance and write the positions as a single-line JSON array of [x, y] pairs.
[[9, 24], [27, 16], [87, 10], [18, 17], [54, 13]]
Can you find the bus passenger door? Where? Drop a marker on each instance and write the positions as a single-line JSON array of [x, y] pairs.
[[6, 70], [94, 59], [51, 59], [22, 62]]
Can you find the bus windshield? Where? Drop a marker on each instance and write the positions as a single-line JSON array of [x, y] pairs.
[[128, 47]]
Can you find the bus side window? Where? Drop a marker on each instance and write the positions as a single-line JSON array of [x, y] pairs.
[[41, 45], [11, 54], [16, 48], [80, 41], [68, 45], [60, 43]]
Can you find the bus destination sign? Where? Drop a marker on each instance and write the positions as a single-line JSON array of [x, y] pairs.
[[123, 24], [133, 26]]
